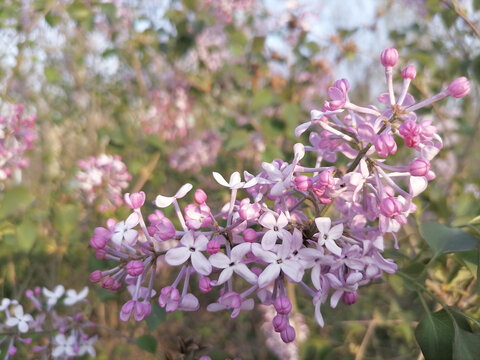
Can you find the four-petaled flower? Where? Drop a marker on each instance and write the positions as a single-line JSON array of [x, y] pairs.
[[19, 319], [328, 234], [235, 181], [190, 248], [233, 264], [73, 297], [276, 229], [53, 296], [124, 230]]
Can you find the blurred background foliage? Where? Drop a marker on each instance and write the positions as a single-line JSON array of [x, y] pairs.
[[181, 88]]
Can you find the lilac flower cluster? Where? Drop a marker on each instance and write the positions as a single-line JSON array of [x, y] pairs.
[[170, 115], [102, 179], [17, 134], [59, 335], [320, 226]]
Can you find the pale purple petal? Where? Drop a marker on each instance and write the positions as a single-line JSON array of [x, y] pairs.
[[323, 224], [235, 178], [246, 273], [269, 240], [130, 236], [189, 303], [316, 277], [132, 220], [300, 129], [201, 243], [239, 252], [270, 273], [163, 201], [268, 220], [18, 311], [335, 298], [201, 264], [177, 256], [299, 151], [247, 304], [224, 276], [12, 321], [293, 270], [335, 232], [417, 185], [220, 179], [318, 314], [183, 191], [188, 240], [333, 247], [264, 255], [219, 260], [282, 220], [22, 326], [214, 307]]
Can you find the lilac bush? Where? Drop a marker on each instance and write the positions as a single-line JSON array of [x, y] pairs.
[[321, 220]]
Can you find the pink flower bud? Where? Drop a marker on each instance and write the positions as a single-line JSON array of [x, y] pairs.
[[12, 350], [213, 246], [135, 200], [100, 254], [288, 335], [116, 285], [78, 317], [389, 190], [459, 87], [385, 144], [205, 357], [303, 182], [409, 72], [282, 305], [250, 235], [29, 293], [107, 282], [200, 197], [249, 211], [389, 207], [204, 285], [389, 57], [326, 179], [98, 242], [431, 175], [27, 341], [134, 268], [280, 323], [419, 167], [350, 298]]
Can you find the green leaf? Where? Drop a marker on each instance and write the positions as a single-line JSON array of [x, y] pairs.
[[15, 201], [78, 11], [443, 239], [262, 98], [26, 234], [476, 4], [466, 345], [258, 44], [51, 74], [52, 19], [237, 139], [292, 115], [65, 219], [476, 66], [157, 316], [147, 343], [435, 334]]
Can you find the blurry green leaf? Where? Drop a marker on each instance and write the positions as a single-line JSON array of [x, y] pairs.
[[292, 114], [258, 44], [469, 260], [65, 219], [156, 317], [52, 19], [262, 98], [466, 345], [15, 200], [476, 67], [190, 4], [476, 4], [443, 239], [237, 139], [147, 343], [78, 11], [434, 334], [449, 17], [26, 234], [109, 10], [51, 74]]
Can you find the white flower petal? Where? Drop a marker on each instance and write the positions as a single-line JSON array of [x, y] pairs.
[[183, 191], [270, 273], [219, 260], [224, 276], [220, 179], [201, 264], [177, 256], [132, 220], [163, 201], [246, 273]]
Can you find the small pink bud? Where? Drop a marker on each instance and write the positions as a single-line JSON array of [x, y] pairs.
[[459, 87], [350, 298], [27, 341], [95, 276], [409, 72], [419, 167], [78, 317], [116, 285], [135, 200], [283, 305], [134, 268], [389, 57], [98, 242], [12, 350], [204, 285], [431, 175], [389, 207], [205, 357], [288, 335], [250, 235], [200, 197], [303, 182], [213, 246], [280, 322], [107, 283], [385, 144], [29, 293], [100, 254], [326, 179], [389, 190]]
